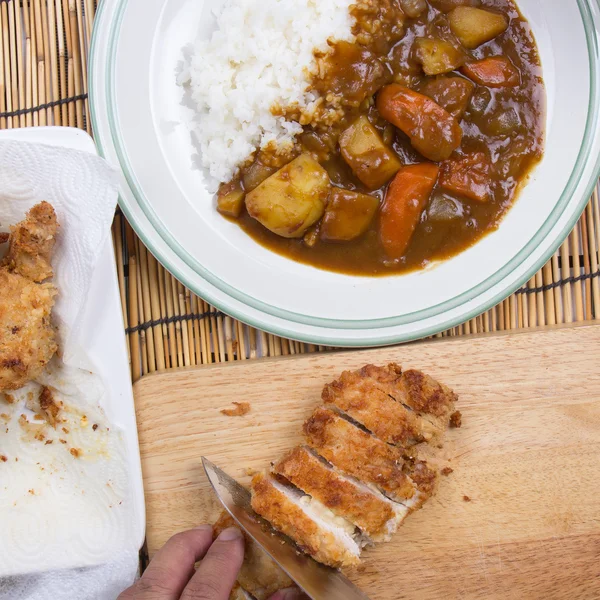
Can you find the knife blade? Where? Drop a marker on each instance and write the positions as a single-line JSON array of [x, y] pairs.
[[316, 580]]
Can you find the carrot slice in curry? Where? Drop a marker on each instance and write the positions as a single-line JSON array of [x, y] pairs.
[[493, 72], [405, 200], [468, 175], [433, 131]]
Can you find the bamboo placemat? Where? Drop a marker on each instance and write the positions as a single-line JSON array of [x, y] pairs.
[[43, 81]]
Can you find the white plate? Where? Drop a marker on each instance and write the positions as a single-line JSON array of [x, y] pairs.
[[102, 337], [138, 119]]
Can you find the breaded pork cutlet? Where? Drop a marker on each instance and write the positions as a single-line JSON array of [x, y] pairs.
[[259, 575], [361, 398], [316, 530], [27, 339], [375, 515], [417, 392], [358, 454]]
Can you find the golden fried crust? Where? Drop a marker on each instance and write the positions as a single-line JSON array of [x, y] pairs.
[[259, 575], [358, 453], [32, 242], [361, 397], [286, 516], [415, 390], [49, 406], [423, 476], [28, 339], [237, 593], [426, 395], [361, 507]]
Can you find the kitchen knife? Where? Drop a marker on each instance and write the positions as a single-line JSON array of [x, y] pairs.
[[316, 580]]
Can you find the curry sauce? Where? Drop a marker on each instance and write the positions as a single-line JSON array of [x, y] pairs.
[[479, 123]]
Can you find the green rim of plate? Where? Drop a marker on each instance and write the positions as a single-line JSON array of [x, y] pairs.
[[410, 318]]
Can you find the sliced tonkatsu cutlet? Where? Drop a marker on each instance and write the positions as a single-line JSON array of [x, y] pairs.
[[316, 530], [416, 391], [360, 397], [375, 515], [358, 453]]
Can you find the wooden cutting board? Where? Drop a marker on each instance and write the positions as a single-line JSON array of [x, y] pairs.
[[518, 518]]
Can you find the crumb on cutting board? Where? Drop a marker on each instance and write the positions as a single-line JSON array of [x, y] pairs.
[[10, 399], [466, 499], [4, 237], [3, 458], [241, 409], [76, 452], [446, 471], [456, 419]]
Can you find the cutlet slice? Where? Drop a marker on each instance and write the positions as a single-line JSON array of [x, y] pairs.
[[371, 512], [316, 530], [359, 454], [361, 398], [422, 394]]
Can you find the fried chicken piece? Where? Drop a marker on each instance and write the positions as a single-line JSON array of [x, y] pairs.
[[432, 401], [28, 340], [359, 454], [316, 530], [259, 575], [361, 398], [31, 244], [371, 512]]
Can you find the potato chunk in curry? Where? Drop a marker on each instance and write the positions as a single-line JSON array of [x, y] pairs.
[[348, 215], [230, 199], [365, 152], [291, 200], [475, 26], [438, 56]]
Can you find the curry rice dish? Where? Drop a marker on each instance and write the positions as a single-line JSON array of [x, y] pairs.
[[404, 140]]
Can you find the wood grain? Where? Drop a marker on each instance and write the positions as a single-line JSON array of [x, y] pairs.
[[527, 456]]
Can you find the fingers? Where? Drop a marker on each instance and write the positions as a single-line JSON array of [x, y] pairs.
[[289, 594], [171, 568], [219, 569]]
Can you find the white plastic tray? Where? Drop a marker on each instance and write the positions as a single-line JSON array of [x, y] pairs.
[[102, 333]]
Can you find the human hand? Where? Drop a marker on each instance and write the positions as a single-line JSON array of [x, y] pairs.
[[171, 574]]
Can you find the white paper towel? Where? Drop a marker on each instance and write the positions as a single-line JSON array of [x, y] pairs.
[[83, 190], [58, 510]]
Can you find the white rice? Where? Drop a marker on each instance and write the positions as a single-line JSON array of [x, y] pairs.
[[260, 56]]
